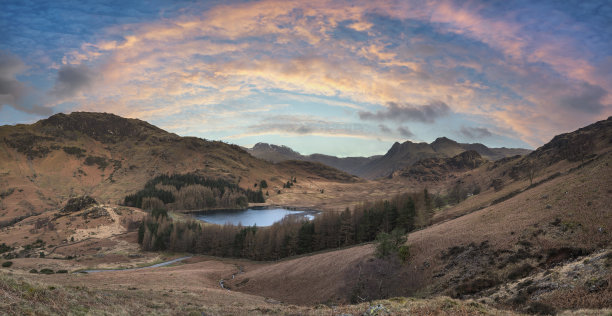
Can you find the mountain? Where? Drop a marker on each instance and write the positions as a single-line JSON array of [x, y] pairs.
[[401, 156], [436, 169], [108, 157], [275, 153], [535, 238], [398, 157]]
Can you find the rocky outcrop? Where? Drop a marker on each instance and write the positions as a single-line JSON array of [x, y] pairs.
[[437, 169], [77, 204]]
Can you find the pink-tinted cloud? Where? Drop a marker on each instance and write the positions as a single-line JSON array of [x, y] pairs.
[[532, 86]]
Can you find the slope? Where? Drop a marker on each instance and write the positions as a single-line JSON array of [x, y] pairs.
[[403, 155], [108, 157], [528, 226]]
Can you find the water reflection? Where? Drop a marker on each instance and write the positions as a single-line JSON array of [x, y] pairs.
[[252, 216]]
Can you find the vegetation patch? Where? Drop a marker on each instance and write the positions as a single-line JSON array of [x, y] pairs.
[[292, 236], [75, 151], [5, 248], [506, 197], [558, 255], [102, 162], [79, 203], [6, 193], [474, 286], [192, 192], [27, 144], [540, 308], [520, 271]]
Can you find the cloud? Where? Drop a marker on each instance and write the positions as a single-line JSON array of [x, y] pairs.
[[383, 128], [301, 125], [495, 61], [15, 93], [71, 79], [404, 131], [427, 113], [475, 132], [589, 99]]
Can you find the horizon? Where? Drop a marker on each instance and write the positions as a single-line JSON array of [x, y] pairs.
[[345, 79]]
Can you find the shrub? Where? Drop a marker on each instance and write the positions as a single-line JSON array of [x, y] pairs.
[[263, 184], [75, 151], [384, 246], [404, 253], [46, 271], [475, 286], [7, 264], [61, 271], [78, 204], [497, 184], [95, 160], [520, 271], [392, 243], [476, 190], [540, 308], [33, 271], [5, 248]]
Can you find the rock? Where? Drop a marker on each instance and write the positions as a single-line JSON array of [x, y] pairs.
[[95, 212], [548, 206], [377, 309]]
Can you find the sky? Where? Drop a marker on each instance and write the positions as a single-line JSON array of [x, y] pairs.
[[345, 78]]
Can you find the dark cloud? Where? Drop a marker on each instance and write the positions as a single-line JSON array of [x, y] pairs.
[[303, 129], [588, 99], [475, 132], [72, 79], [384, 128], [427, 113], [404, 131], [13, 92], [307, 125]]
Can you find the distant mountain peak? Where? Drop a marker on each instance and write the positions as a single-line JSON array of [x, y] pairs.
[[443, 140]]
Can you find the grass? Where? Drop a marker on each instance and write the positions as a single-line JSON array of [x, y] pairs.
[[22, 297]]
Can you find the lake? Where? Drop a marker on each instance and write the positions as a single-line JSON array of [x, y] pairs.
[[251, 216]]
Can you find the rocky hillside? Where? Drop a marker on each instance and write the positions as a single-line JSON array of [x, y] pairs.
[[534, 240], [106, 156], [437, 169], [274, 153], [401, 156], [398, 157]]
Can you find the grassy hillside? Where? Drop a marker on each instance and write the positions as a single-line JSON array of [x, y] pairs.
[[109, 157], [527, 226], [534, 239]]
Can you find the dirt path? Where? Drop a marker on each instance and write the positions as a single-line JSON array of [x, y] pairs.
[[102, 231]]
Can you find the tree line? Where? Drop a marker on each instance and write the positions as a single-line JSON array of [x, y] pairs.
[[293, 235], [191, 192]]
